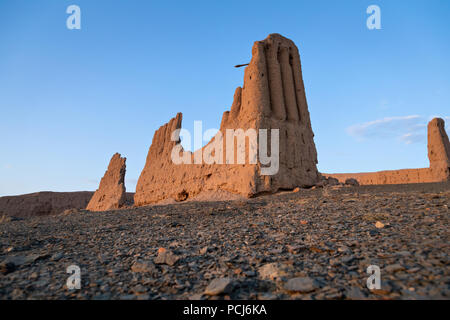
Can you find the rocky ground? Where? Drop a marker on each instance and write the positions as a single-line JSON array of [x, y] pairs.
[[310, 244]]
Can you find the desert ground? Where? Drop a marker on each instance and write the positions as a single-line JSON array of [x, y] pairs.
[[311, 244]]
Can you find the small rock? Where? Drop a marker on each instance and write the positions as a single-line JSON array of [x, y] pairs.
[[143, 266], [267, 296], [379, 225], [10, 264], [250, 273], [57, 256], [394, 268], [204, 250], [219, 286], [272, 271], [344, 249], [103, 259], [404, 253], [17, 293], [348, 259], [301, 284], [7, 267], [139, 289], [355, 293], [294, 249], [166, 257], [69, 212], [143, 297]]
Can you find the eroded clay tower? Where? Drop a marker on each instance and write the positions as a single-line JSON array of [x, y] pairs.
[[272, 97]]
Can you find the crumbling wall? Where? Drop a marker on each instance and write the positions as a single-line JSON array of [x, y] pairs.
[[111, 192], [438, 154], [272, 97]]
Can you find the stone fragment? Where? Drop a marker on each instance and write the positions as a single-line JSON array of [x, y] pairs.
[[355, 293], [379, 225], [111, 192], [301, 284], [7, 267], [219, 286], [11, 263], [166, 257], [57, 256], [143, 266], [394, 268], [273, 271]]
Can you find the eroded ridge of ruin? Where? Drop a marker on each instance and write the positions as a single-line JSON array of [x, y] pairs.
[[111, 192], [272, 97], [438, 154]]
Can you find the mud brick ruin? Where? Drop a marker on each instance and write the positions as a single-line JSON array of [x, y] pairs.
[[438, 154], [111, 192], [272, 97]]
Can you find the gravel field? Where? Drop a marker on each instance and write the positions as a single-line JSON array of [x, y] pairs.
[[310, 244]]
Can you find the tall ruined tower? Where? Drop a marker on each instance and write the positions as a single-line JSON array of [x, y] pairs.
[[438, 149], [272, 97]]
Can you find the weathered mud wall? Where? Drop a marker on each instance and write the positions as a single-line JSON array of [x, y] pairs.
[[438, 154], [43, 203], [272, 97], [47, 203]]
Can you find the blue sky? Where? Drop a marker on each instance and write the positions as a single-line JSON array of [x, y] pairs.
[[69, 99]]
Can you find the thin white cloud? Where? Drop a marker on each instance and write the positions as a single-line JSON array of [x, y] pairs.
[[408, 129]]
